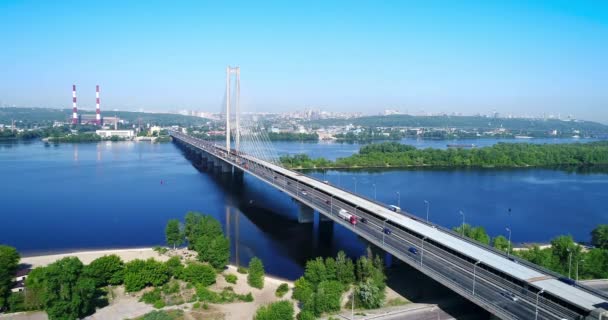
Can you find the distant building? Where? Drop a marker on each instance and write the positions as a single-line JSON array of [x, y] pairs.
[[154, 129], [19, 280], [117, 133]]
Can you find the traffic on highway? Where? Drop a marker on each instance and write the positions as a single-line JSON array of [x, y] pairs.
[[480, 281]]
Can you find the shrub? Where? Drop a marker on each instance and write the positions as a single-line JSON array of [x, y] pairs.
[[159, 304], [164, 315], [281, 310], [247, 298], [151, 297], [171, 287], [161, 250], [196, 305], [282, 290], [106, 270], [230, 278], [241, 270], [306, 315], [199, 273], [175, 267], [225, 296], [205, 306], [255, 278], [140, 274]]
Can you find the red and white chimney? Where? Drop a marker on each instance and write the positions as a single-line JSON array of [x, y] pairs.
[[98, 115], [74, 108]]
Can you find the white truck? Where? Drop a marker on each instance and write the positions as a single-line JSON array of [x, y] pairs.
[[345, 215]]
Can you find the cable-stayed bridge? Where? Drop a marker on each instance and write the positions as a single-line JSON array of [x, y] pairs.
[[507, 287]]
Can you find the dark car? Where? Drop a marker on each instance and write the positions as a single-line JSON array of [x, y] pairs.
[[412, 250], [567, 281], [510, 296], [363, 220], [387, 231]]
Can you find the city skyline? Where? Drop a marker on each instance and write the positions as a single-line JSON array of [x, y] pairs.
[[471, 57]]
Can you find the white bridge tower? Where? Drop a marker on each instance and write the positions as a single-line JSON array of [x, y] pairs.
[[236, 71]]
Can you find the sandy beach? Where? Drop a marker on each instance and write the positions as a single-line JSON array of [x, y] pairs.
[[87, 256]]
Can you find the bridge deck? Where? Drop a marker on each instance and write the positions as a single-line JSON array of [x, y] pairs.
[[530, 275], [524, 273]]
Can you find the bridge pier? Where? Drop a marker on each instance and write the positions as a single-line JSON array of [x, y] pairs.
[[306, 214], [225, 167]]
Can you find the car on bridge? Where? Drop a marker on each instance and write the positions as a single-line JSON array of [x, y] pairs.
[[412, 250]]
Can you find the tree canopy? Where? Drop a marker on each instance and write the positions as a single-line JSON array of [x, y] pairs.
[[9, 262]]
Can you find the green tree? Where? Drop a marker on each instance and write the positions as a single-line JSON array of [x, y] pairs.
[[369, 294], [215, 251], [36, 289], [599, 236], [315, 271], [9, 261], [190, 228], [303, 290], [106, 270], [199, 273], [345, 270], [328, 297], [173, 233], [501, 243], [67, 294], [255, 277], [280, 310]]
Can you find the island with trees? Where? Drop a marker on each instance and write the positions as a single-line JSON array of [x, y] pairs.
[[501, 155]]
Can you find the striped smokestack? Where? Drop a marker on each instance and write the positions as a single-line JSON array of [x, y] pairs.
[[98, 115], [74, 108]]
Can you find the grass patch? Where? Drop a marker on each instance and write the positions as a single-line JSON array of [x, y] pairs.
[[241, 270], [231, 278], [225, 296], [395, 302]]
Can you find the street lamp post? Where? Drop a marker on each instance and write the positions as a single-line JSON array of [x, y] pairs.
[[509, 247], [536, 308], [462, 214], [427, 210], [474, 274], [374, 185], [352, 305], [569, 262], [398, 199], [577, 263], [422, 251]]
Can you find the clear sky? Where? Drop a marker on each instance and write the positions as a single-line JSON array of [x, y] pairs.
[[438, 56]]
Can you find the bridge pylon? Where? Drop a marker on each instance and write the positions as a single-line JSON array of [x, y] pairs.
[[236, 71]]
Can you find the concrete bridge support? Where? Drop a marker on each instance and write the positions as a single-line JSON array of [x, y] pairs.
[[306, 214]]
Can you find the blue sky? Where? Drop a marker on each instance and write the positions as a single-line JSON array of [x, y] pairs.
[[438, 56]]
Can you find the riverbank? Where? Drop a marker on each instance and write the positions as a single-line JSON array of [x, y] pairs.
[[88, 256]]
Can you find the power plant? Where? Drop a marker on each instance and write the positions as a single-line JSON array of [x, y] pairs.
[[94, 119]]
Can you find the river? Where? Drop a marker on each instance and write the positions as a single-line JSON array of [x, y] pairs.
[[113, 195]]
